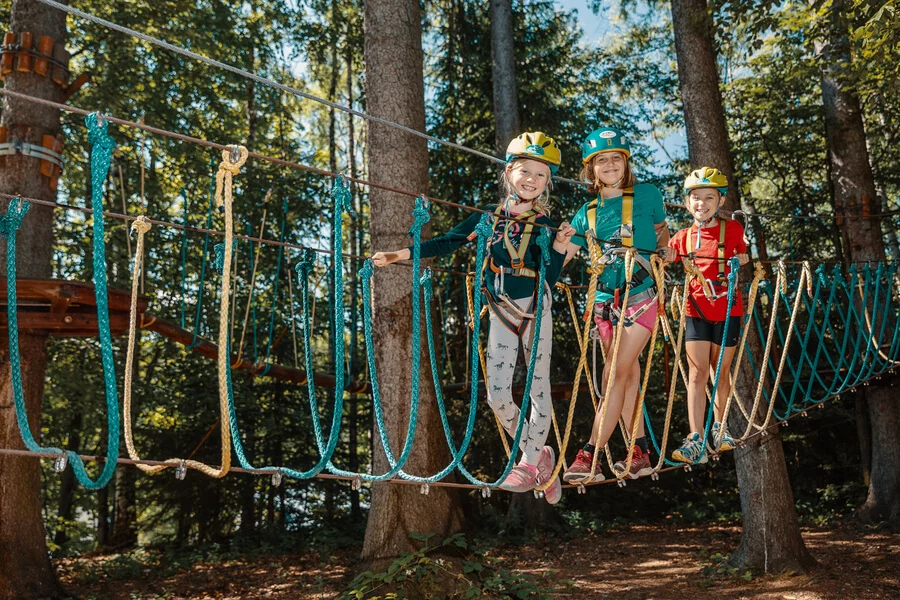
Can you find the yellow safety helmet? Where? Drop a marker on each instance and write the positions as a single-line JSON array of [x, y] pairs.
[[536, 145], [706, 177]]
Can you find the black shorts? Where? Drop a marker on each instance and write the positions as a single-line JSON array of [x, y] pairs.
[[701, 330]]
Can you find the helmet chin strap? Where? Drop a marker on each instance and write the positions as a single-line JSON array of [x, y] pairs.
[[701, 225], [517, 200]]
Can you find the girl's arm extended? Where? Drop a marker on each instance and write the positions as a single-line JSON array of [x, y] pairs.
[[439, 246]]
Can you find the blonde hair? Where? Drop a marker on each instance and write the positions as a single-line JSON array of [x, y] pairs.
[[541, 203], [587, 175]]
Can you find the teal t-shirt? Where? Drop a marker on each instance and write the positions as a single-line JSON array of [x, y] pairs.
[[648, 210]]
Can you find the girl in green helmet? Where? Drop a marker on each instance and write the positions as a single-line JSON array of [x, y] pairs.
[[623, 213]]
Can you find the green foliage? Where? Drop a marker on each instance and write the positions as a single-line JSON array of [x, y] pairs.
[[449, 569], [718, 568]]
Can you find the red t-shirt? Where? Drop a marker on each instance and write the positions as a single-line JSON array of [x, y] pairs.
[[709, 246]]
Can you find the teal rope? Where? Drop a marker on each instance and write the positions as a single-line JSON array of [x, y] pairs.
[[421, 216], [101, 154], [341, 201]]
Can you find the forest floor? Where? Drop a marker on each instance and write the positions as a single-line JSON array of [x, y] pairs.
[[652, 562]]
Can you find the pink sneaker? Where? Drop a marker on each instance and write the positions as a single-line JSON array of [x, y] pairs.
[[522, 478], [545, 469]]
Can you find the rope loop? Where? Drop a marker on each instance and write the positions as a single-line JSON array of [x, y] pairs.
[[141, 225], [421, 216], [12, 220]]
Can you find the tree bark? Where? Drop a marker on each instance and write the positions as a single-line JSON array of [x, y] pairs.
[[353, 409], [771, 538], [503, 68], [25, 569], [67, 486], [395, 91], [854, 196]]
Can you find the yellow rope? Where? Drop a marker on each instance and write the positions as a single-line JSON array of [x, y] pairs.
[[595, 270], [679, 367], [751, 416], [141, 225], [758, 275]]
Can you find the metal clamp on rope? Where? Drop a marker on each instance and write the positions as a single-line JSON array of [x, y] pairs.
[[235, 155], [25, 149], [356, 484], [59, 465], [486, 492], [181, 471], [424, 489], [276, 478]]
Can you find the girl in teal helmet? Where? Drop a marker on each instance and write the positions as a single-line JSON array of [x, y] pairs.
[[622, 213]]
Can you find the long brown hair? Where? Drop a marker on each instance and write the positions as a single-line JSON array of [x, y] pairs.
[[587, 175]]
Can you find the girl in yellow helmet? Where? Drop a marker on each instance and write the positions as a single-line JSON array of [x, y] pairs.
[[510, 275], [709, 236], [625, 213]]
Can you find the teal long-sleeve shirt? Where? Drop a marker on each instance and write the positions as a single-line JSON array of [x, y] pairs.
[[515, 287]]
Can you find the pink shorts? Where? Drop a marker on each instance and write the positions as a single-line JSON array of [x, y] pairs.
[[647, 320]]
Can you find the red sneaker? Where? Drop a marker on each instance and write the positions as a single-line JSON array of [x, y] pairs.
[[640, 464], [579, 470]]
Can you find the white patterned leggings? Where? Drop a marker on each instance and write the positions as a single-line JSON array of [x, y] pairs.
[[502, 353]]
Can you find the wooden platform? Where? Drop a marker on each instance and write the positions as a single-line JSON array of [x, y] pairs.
[[65, 308]]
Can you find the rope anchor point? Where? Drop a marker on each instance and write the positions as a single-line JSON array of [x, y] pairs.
[[59, 465]]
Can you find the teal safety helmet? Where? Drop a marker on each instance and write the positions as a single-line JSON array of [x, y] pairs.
[[605, 139]]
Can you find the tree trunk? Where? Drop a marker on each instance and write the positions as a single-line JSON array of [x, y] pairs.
[[503, 68], [124, 532], [353, 409], [395, 91], [864, 433], [25, 569], [103, 524], [854, 196], [67, 486], [771, 538]]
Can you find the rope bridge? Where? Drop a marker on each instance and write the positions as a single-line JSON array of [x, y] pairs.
[[825, 330]]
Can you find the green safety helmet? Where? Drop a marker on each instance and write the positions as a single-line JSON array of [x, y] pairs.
[[605, 139]]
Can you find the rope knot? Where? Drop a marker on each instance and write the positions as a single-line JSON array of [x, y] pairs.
[[420, 215], [141, 225], [98, 132], [12, 220], [484, 229], [233, 158], [426, 281], [341, 194], [543, 242], [367, 270], [305, 263]]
